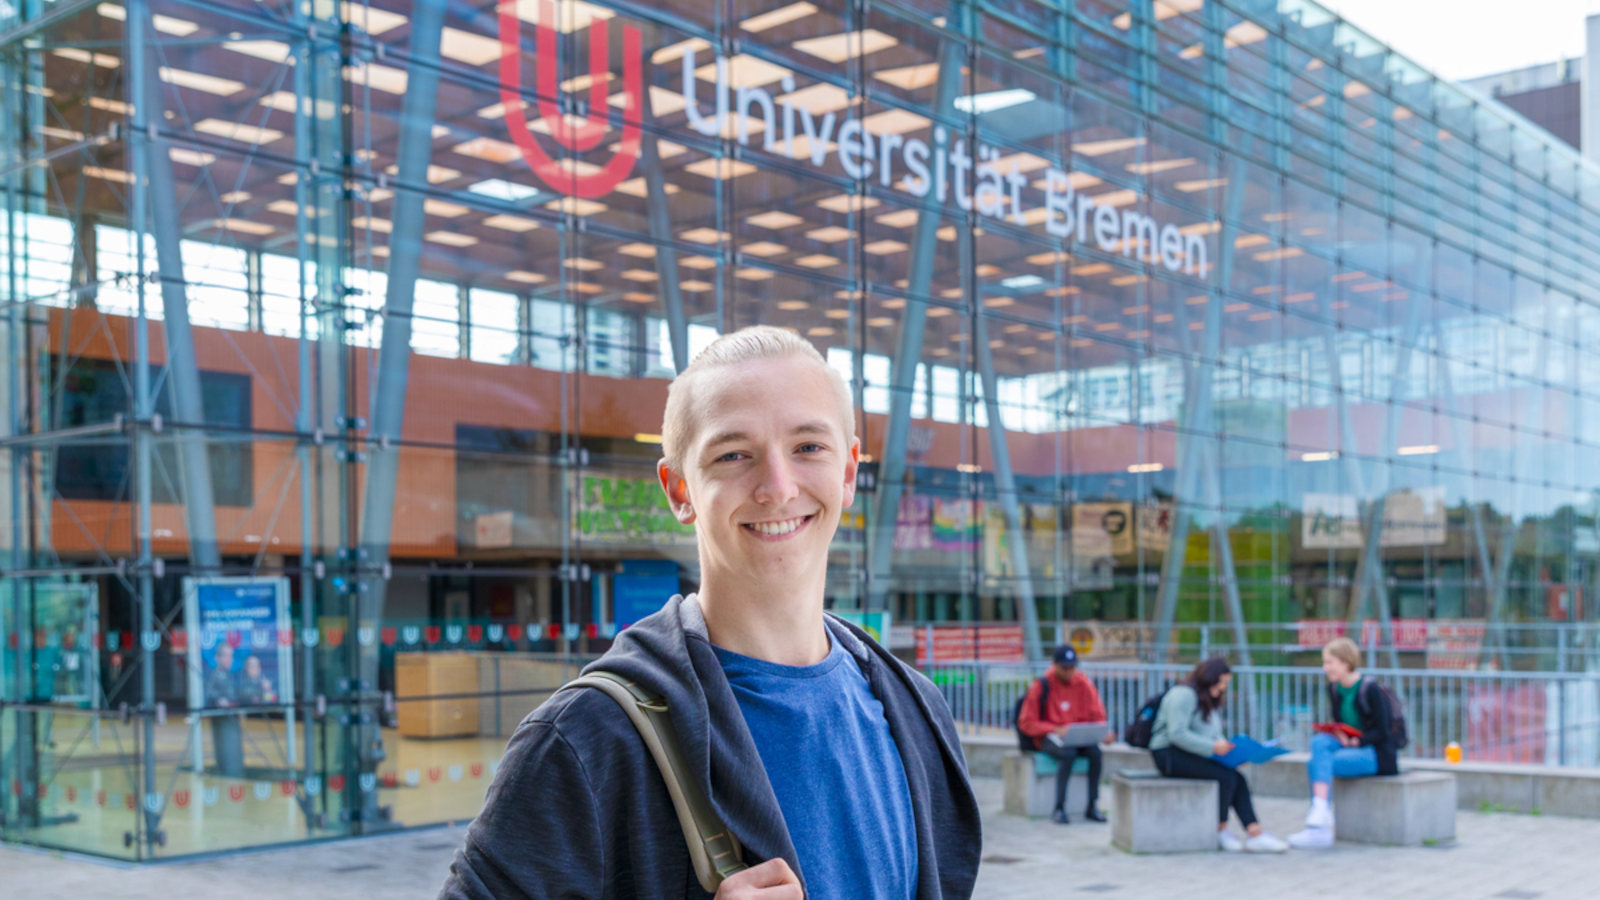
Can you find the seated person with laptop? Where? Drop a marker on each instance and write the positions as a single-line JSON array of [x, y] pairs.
[[1069, 723]]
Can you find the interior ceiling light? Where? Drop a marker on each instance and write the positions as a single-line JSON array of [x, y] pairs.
[[469, 48], [638, 187], [775, 219], [271, 51], [369, 19], [510, 223], [780, 16], [503, 190], [1101, 148], [570, 15], [993, 101], [910, 78], [837, 48], [235, 131], [163, 24], [745, 71]]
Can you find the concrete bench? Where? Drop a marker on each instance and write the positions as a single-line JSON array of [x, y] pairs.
[[1401, 810], [1030, 784], [1152, 814]]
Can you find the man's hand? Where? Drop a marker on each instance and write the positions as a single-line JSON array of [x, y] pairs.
[[772, 880], [1061, 732], [1110, 738], [1348, 741], [1222, 747]]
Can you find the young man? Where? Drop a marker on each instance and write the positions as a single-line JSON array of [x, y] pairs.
[[836, 767], [1070, 698]]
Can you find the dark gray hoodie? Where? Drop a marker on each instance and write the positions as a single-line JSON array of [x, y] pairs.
[[578, 809]]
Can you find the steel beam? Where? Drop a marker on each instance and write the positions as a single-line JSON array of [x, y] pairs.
[[414, 153], [908, 350]]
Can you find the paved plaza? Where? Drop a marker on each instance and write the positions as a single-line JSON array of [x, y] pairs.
[[1497, 855]]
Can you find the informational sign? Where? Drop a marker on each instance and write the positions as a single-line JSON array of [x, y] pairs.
[[1102, 529], [619, 510], [640, 587], [1107, 641], [1455, 644], [241, 651], [962, 643], [1409, 634], [997, 538], [492, 530], [1329, 522], [874, 622], [1414, 517], [1154, 523]]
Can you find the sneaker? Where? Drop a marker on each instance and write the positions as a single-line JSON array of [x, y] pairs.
[[1320, 817], [1094, 815], [1059, 816], [1265, 843], [1228, 842], [1312, 839]]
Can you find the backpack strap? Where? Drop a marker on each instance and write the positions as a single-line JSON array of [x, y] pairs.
[[713, 849], [1044, 696]]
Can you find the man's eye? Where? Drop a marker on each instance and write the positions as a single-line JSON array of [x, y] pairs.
[[727, 457], [811, 448]]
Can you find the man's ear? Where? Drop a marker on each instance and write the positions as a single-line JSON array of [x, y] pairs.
[[677, 490], [852, 462]]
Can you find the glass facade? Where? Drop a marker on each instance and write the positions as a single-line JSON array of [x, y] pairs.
[[336, 338]]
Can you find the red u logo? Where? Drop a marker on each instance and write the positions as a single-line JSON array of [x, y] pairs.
[[576, 137]]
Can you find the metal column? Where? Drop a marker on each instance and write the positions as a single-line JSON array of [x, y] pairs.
[[413, 156]]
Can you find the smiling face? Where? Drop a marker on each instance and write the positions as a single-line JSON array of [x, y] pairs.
[[767, 474]]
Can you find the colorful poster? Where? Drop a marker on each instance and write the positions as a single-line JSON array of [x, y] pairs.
[[66, 618], [1107, 641], [874, 622], [242, 653], [614, 509], [913, 528], [955, 525], [996, 543]]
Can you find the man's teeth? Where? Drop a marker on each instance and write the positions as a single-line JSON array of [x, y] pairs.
[[777, 527]]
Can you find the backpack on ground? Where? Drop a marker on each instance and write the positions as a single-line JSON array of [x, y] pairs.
[[1398, 736], [713, 850], [1140, 730], [1024, 740]]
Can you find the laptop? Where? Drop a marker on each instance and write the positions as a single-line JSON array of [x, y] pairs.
[[1081, 734]]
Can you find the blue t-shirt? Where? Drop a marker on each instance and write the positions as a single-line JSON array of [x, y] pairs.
[[836, 771]]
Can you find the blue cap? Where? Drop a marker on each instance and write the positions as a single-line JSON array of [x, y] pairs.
[[1066, 656]]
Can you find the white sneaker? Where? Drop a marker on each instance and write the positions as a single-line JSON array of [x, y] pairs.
[[1228, 842], [1312, 839], [1320, 816], [1265, 843]]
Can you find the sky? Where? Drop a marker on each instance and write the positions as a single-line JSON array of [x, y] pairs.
[[1461, 39]]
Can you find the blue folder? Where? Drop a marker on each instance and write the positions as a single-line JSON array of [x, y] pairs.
[[1247, 749]]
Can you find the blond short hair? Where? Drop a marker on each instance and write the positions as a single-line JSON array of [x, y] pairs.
[[758, 342], [1344, 650]]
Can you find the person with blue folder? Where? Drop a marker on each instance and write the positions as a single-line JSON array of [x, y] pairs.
[[1187, 742]]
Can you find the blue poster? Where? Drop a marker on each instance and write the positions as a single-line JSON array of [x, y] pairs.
[[241, 648], [640, 587]]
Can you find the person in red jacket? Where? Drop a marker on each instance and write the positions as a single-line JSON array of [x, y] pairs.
[[1072, 698]]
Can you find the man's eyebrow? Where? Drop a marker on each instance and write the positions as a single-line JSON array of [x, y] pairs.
[[815, 426]]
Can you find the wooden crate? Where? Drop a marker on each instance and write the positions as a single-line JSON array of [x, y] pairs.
[[436, 674]]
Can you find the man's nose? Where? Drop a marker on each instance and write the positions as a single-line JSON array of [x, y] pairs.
[[777, 483]]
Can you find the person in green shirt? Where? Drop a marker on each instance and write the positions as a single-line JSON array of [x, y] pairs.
[[1344, 755], [1186, 738]]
